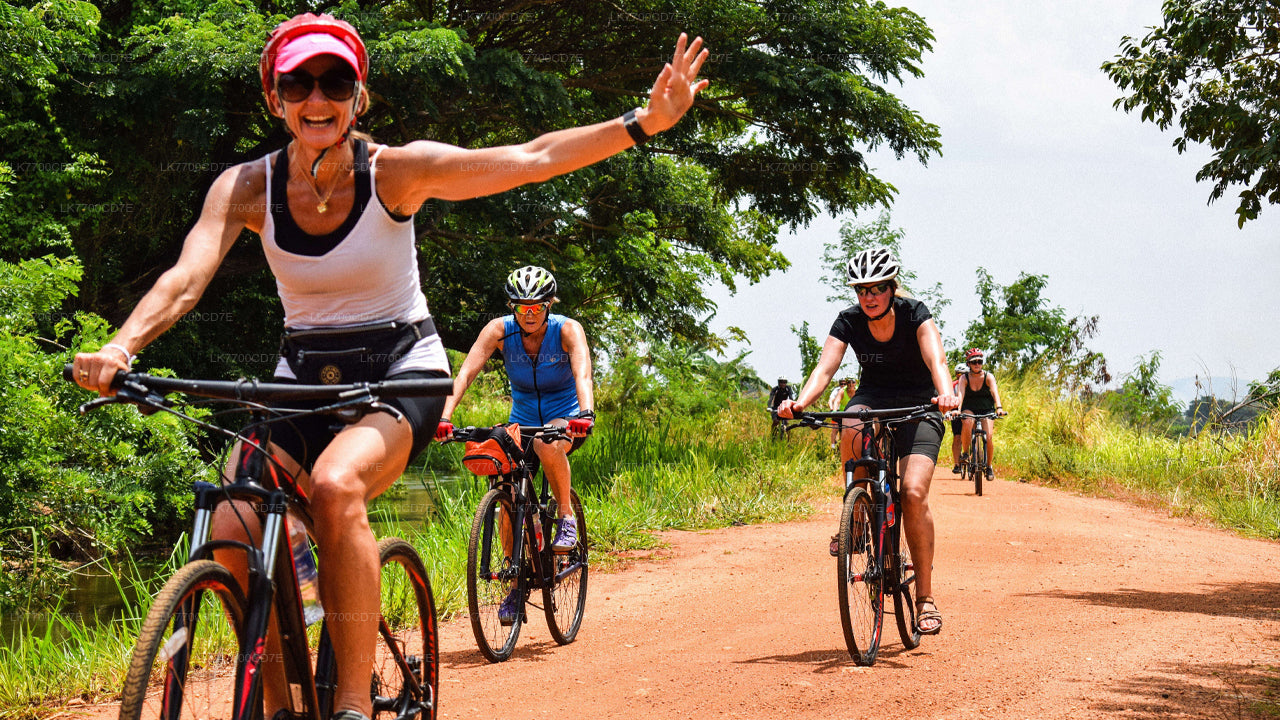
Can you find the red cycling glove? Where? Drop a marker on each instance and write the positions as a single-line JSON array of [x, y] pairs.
[[444, 430]]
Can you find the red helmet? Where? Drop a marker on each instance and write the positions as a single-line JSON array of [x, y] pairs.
[[305, 24], [972, 354]]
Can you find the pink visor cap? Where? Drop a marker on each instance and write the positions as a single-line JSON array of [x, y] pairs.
[[302, 49]]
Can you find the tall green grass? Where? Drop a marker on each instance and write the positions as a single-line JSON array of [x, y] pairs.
[[1230, 479], [635, 478]]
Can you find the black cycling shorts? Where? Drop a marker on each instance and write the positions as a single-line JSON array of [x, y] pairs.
[[307, 437], [913, 438]]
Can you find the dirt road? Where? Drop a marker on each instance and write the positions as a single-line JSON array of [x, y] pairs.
[[1055, 606]]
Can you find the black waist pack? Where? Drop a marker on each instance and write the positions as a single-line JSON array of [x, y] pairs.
[[330, 356]]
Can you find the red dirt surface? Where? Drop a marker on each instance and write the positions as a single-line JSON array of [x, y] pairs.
[[1055, 606]]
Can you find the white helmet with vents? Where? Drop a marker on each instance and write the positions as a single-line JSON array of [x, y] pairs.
[[873, 265], [531, 284]]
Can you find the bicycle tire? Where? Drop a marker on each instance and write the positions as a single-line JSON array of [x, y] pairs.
[[861, 584], [485, 594], [564, 601], [406, 669], [904, 607], [979, 464], [192, 631]]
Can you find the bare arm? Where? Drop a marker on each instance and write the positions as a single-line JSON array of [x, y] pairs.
[[481, 350], [828, 364], [228, 207], [936, 360], [574, 341], [424, 169], [995, 392]]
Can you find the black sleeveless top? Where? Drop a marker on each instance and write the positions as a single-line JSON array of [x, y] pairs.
[[981, 400], [894, 368]]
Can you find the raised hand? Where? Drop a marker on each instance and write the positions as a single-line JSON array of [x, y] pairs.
[[673, 92]]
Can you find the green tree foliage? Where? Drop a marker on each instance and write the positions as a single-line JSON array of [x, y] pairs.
[[856, 237], [1142, 400], [73, 486], [1265, 393], [810, 350], [1018, 329], [163, 95], [1213, 67]]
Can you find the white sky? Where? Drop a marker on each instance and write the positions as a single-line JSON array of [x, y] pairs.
[[1040, 174]]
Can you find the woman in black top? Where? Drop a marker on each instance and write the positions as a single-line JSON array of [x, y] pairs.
[[899, 349], [979, 400]]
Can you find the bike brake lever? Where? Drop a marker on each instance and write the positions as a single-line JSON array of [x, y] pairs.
[[379, 406], [96, 403]]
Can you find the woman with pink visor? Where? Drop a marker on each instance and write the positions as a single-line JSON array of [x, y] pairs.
[[334, 211]]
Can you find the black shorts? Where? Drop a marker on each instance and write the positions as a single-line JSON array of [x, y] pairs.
[[306, 437], [914, 438], [957, 427]]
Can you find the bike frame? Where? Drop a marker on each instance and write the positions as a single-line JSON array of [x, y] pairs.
[[261, 480], [530, 514], [880, 457]]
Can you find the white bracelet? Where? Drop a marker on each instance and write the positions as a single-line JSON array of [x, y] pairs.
[[127, 357]]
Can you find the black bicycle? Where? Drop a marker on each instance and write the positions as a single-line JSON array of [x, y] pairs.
[[201, 647], [976, 464], [873, 559], [501, 561]]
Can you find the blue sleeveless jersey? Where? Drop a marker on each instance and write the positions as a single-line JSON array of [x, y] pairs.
[[542, 388]]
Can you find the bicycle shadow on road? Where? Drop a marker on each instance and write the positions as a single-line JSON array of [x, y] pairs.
[[828, 661], [1252, 601], [1185, 690], [471, 657]]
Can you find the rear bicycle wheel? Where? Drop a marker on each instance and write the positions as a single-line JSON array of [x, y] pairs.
[[564, 600], [860, 580], [904, 606], [184, 662], [406, 666], [491, 574]]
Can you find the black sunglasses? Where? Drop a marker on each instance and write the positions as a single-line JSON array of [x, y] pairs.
[[877, 289], [296, 86]]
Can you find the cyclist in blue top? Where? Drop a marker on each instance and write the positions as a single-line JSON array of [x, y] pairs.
[[549, 365]]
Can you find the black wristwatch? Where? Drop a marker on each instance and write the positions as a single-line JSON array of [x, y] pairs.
[[586, 415], [632, 125]]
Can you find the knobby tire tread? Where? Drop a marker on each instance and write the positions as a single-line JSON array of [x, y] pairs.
[[861, 602], [198, 577], [425, 634], [483, 612]]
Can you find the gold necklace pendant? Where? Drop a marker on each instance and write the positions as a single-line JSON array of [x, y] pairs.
[[322, 207]]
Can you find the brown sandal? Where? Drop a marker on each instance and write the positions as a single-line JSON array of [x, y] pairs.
[[932, 616], [835, 546]]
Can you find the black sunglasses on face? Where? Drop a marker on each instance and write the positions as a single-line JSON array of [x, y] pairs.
[[335, 84], [877, 289], [975, 362]]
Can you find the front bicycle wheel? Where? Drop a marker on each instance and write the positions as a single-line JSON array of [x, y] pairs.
[[861, 582], [491, 575], [185, 662], [565, 599], [979, 465], [406, 665], [904, 607]]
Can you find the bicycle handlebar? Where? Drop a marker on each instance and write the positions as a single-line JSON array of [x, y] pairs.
[[889, 415], [544, 432], [251, 390]]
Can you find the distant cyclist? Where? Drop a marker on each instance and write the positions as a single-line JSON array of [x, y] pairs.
[[957, 424], [899, 348], [549, 365], [780, 392], [979, 396]]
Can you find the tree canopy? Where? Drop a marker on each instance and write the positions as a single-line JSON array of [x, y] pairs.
[[1214, 68], [1019, 329], [120, 115]]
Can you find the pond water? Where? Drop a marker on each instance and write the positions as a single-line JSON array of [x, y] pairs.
[[93, 593]]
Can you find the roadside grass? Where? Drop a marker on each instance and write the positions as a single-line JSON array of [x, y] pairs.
[[635, 479], [1232, 480]]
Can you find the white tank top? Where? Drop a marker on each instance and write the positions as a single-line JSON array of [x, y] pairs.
[[370, 276]]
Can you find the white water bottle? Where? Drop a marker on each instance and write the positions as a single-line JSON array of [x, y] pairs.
[[304, 562]]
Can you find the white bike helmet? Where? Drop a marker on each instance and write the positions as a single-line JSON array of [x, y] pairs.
[[873, 265], [531, 284]]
